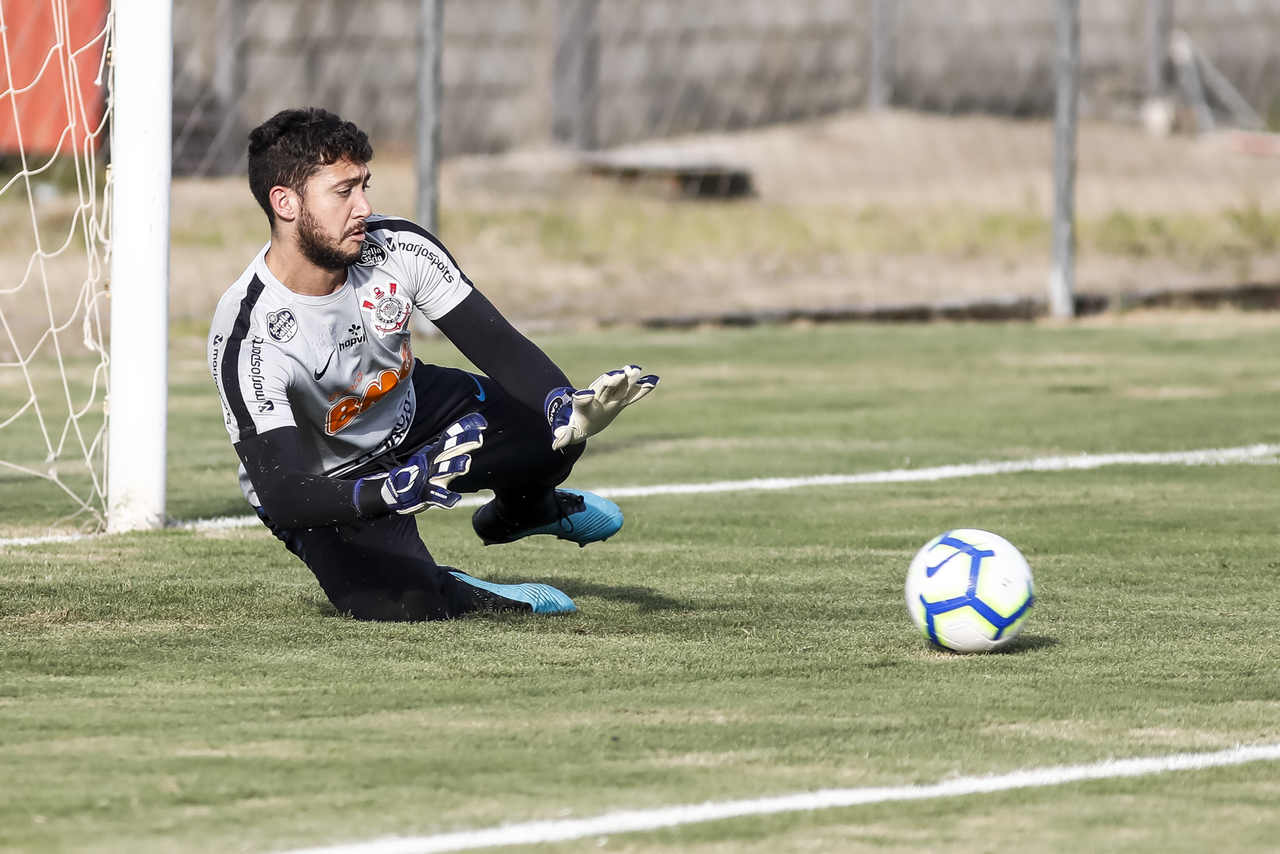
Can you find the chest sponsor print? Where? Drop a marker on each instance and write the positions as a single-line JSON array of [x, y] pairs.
[[345, 409], [389, 311], [354, 336]]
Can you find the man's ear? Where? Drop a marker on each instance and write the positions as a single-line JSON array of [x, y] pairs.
[[285, 203]]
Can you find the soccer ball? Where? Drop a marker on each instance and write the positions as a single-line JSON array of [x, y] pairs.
[[969, 590]]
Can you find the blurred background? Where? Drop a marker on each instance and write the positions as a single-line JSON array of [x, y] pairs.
[[610, 160], [622, 160], [666, 163]]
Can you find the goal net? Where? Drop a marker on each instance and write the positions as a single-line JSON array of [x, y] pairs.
[[54, 191]]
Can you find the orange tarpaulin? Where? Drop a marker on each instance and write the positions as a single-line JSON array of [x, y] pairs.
[[54, 50]]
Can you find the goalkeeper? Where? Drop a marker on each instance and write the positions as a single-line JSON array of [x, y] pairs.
[[343, 436]]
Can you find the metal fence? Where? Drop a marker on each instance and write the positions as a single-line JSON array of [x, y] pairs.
[[930, 127], [518, 73]]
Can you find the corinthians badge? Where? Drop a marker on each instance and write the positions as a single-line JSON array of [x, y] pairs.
[[389, 312]]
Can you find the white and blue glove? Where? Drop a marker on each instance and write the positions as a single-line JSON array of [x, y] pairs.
[[576, 415], [423, 481]]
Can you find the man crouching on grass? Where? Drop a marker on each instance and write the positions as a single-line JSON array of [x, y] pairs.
[[342, 435]]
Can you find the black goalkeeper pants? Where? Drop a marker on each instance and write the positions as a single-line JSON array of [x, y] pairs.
[[381, 569]]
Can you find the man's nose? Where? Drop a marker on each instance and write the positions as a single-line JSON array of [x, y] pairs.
[[362, 208]]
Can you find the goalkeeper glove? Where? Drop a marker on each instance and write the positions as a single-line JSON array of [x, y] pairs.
[[576, 415], [424, 480]]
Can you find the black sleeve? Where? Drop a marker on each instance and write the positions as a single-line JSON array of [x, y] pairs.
[[495, 347], [294, 498]]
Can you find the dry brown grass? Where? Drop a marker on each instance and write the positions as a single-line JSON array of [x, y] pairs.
[[855, 210]]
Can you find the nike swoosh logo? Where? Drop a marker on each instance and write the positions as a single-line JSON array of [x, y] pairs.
[[318, 374], [479, 395]]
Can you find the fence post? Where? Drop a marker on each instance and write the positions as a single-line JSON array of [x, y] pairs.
[[228, 63], [1067, 73], [880, 83], [577, 69], [228, 82], [1159, 21], [427, 149]]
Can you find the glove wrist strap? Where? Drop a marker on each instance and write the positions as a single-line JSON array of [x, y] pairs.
[[366, 495], [558, 405]]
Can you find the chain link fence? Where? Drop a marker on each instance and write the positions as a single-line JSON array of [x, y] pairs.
[[872, 152]]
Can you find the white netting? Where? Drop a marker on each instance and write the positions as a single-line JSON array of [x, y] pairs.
[[53, 215]]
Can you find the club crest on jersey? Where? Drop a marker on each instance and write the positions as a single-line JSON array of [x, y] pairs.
[[371, 255], [282, 325], [389, 311]]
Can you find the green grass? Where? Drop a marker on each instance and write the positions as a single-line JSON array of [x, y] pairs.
[[188, 691]]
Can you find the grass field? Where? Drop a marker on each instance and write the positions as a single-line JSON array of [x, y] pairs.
[[193, 690]]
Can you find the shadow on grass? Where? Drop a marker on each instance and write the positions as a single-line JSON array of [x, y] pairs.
[[645, 598]]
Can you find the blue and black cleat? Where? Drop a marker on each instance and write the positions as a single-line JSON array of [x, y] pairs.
[[581, 517], [541, 598]]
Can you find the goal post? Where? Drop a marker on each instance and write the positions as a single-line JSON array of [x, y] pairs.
[[141, 148]]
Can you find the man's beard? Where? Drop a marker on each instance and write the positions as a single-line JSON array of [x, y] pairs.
[[318, 250]]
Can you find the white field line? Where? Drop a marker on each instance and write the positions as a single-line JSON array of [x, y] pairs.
[[1074, 462], [629, 821]]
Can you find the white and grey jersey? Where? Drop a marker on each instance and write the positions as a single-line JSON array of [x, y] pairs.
[[335, 366]]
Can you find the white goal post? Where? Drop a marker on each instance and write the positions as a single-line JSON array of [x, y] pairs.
[[141, 143]]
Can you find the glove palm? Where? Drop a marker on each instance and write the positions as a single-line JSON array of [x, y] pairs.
[[575, 416]]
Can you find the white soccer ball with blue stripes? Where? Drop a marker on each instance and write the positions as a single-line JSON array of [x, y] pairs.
[[969, 590]]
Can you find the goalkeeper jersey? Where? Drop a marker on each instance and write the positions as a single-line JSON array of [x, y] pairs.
[[334, 366]]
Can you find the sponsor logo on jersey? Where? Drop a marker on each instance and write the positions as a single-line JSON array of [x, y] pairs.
[[215, 352], [266, 406], [427, 251], [389, 311], [255, 370], [282, 325], [403, 421], [355, 335], [320, 373], [346, 408], [371, 255]]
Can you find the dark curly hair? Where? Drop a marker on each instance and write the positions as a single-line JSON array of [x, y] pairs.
[[293, 145]]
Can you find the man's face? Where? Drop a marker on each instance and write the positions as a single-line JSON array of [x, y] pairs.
[[334, 207]]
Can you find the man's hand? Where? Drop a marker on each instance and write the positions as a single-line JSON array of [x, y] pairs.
[[424, 480], [576, 415]]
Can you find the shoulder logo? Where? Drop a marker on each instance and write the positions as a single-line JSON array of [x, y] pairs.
[[281, 325], [371, 255]]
